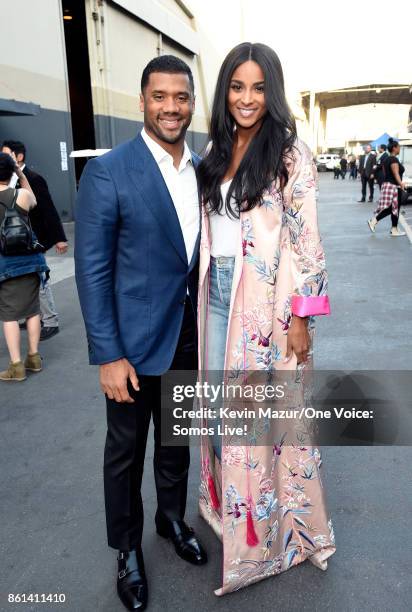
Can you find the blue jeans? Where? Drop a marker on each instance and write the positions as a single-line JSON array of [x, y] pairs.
[[220, 288]]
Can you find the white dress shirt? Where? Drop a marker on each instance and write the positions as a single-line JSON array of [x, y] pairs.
[[182, 186]]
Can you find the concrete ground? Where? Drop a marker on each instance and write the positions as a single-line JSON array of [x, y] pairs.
[[51, 448]]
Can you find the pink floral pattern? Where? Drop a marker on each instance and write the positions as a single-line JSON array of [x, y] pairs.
[[279, 483]]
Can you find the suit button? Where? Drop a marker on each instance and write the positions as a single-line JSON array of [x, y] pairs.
[[182, 302]]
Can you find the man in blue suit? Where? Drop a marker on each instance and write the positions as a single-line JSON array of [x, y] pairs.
[[136, 254]]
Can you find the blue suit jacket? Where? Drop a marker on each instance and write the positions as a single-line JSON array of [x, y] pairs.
[[132, 271]]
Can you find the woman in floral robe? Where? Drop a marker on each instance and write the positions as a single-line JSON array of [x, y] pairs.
[[264, 496]]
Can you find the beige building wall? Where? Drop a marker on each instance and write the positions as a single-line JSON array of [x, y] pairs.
[[33, 61], [175, 9], [120, 46]]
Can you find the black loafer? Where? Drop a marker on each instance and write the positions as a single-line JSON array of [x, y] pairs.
[[48, 332], [186, 544], [131, 580]]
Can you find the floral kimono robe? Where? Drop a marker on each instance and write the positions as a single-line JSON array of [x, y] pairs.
[[267, 503]]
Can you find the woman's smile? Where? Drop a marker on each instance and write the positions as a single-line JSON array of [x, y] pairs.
[[247, 112]]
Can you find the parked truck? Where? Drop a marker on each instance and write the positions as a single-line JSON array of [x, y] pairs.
[[405, 157]]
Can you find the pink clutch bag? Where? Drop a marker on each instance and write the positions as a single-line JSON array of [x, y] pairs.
[[304, 306]]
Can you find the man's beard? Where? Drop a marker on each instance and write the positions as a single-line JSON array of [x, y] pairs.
[[172, 139]]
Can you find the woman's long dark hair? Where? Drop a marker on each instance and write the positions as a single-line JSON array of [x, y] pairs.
[[7, 167], [392, 144], [263, 161]]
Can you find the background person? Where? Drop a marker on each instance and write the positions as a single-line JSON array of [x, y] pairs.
[[343, 167], [378, 169], [366, 164], [353, 169], [20, 277], [337, 169], [390, 198], [48, 228]]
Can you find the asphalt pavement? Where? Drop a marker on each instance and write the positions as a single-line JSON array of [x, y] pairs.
[[52, 432]]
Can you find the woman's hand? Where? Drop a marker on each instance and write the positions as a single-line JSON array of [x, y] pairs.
[[298, 339], [61, 247], [18, 171]]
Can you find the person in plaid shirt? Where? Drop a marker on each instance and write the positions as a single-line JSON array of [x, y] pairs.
[[389, 201]]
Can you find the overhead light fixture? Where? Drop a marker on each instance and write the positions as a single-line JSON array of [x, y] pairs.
[[67, 17]]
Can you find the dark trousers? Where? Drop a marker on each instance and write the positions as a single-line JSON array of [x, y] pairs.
[[370, 182], [127, 428]]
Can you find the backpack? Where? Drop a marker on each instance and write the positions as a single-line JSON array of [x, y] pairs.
[[16, 234]]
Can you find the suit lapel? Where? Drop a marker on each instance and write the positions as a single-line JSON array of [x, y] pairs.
[[150, 184], [195, 257]]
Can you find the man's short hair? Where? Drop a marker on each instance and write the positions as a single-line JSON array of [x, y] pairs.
[[16, 146], [169, 64], [383, 146]]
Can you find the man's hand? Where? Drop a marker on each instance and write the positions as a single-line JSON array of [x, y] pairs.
[[298, 339], [61, 247], [114, 377], [17, 168]]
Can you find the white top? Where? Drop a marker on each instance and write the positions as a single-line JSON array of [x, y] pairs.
[[182, 186], [225, 231]]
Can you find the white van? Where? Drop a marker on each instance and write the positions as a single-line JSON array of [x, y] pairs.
[[326, 161], [405, 157]]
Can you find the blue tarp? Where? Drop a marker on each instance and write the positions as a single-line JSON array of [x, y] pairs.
[[381, 140]]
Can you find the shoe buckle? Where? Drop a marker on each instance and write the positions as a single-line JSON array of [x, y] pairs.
[[122, 574]]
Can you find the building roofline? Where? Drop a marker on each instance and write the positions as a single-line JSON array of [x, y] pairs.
[[163, 21]]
